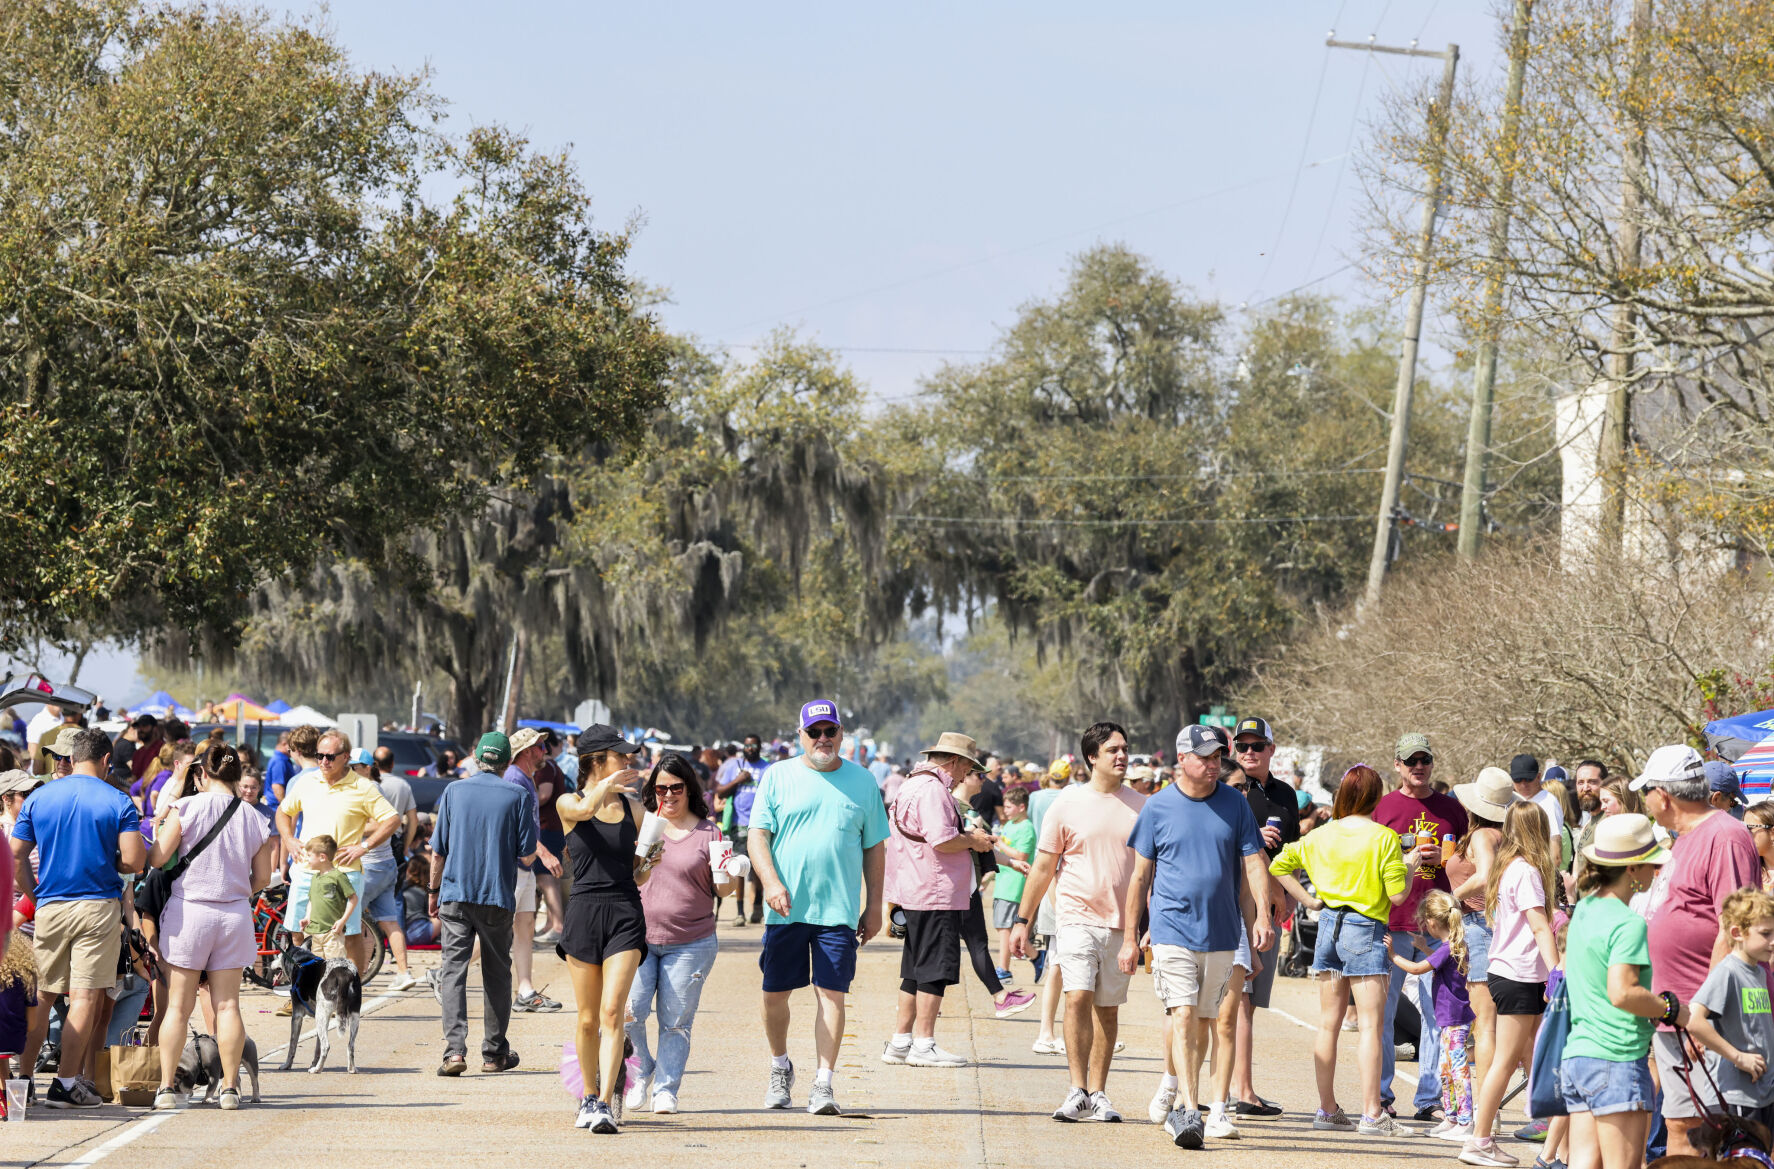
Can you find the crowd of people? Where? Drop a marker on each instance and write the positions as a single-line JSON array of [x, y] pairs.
[[1639, 909]]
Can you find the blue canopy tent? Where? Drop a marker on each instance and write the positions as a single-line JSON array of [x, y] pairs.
[[278, 707], [1747, 740], [160, 704], [543, 724]]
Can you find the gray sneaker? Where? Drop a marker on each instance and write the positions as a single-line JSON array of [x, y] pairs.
[[934, 1057], [1337, 1121], [782, 1082], [1385, 1126], [1077, 1107], [820, 1101], [1184, 1127]]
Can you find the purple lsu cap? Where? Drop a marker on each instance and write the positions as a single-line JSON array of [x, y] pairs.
[[820, 710]]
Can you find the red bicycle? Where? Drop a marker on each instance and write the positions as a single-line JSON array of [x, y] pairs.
[[271, 936]]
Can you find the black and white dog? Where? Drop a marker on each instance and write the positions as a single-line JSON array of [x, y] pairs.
[[200, 1066], [323, 988]]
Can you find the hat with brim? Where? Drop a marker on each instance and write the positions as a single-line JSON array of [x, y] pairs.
[[1625, 839], [955, 743], [603, 737], [17, 781], [1488, 796], [62, 742], [524, 739]]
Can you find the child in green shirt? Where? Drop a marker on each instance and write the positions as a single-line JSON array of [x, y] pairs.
[[331, 899]]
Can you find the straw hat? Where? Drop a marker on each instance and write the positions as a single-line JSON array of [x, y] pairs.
[[1625, 839], [1489, 795], [955, 743]]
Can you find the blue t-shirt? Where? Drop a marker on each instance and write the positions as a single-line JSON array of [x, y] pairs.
[[515, 775], [484, 824], [745, 797], [75, 821], [819, 823], [1198, 849], [278, 772]]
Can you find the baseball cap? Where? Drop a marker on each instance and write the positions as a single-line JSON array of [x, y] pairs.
[[1253, 726], [494, 749], [1722, 777], [1414, 743], [820, 710], [144, 720], [525, 738], [1196, 739], [1556, 774], [362, 758], [1524, 768], [62, 742], [18, 781], [1672, 763], [603, 737]]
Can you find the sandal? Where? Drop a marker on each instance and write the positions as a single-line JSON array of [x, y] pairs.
[[230, 1099]]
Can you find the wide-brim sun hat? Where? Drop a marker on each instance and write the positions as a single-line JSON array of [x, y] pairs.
[[1489, 795], [955, 743], [1625, 839]]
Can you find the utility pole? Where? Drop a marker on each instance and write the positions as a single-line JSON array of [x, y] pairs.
[[1413, 326], [1484, 370], [1617, 418]]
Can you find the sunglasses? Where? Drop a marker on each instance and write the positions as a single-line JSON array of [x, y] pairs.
[[329, 756], [1420, 761], [1251, 746], [669, 789], [826, 731]]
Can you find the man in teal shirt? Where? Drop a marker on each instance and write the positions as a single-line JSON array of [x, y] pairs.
[[817, 830]]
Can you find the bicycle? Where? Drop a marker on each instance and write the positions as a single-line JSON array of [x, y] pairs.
[[271, 937]]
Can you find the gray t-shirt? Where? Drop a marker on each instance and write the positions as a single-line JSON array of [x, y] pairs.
[[398, 792], [1735, 996]]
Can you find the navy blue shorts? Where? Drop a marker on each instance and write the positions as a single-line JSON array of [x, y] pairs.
[[795, 950]]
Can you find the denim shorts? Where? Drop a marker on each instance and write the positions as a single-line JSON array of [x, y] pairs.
[[1350, 945], [1478, 945], [1604, 1086]]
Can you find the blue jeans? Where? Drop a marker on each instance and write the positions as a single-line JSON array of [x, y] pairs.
[[1429, 1049], [126, 1011], [676, 976]]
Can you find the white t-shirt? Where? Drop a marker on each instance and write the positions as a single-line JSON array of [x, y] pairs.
[[398, 792], [1555, 813]]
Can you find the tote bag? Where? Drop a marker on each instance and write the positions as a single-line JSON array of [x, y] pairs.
[[1545, 1095]]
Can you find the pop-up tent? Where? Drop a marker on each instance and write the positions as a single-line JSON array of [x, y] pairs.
[[160, 704], [543, 724], [305, 716], [237, 706], [1747, 740], [279, 706]]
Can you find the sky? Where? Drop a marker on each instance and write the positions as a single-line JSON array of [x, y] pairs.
[[895, 181]]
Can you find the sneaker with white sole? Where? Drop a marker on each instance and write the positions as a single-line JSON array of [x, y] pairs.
[[782, 1082], [1101, 1110], [1076, 1107], [1488, 1153], [636, 1093], [821, 1101], [892, 1053], [934, 1057], [1049, 1047], [665, 1103], [604, 1121], [1014, 1002], [1184, 1128], [1385, 1126], [1455, 1132], [1158, 1111], [403, 982], [1337, 1121], [588, 1108], [1220, 1127], [75, 1095]]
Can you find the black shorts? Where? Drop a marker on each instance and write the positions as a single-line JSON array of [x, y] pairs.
[[1516, 998], [597, 927], [932, 953]]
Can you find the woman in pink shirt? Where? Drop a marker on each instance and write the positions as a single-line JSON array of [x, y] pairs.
[[679, 901]]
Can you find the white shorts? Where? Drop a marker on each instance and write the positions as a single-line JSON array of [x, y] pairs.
[[1191, 978], [1046, 917], [526, 891], [1086, 956]]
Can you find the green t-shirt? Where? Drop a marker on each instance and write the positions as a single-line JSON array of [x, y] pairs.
[[327, 894], [1604, 932], [1020, 835], [819, 824]]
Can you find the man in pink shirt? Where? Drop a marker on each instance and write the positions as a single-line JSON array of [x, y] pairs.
[[930, 877], [1084, 837], [1713, 857]]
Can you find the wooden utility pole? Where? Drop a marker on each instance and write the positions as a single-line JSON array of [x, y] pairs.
[[1484, 370], [1617, 418], [1413, 327]]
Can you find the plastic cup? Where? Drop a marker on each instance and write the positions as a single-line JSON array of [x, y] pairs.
[[652, 832], [18, 1092]]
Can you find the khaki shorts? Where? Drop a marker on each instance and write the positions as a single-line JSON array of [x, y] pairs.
[[78, 944], [526, 891], [1086, 956], [1191, 978]]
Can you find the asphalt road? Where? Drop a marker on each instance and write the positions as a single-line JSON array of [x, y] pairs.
[[993, 1113]]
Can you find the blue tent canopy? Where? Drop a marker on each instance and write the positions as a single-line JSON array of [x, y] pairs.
[[278, 707], [543, 724], [1747, 740], [160, 704]]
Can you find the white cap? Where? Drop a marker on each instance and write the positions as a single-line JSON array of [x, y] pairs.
[[1675, 763]]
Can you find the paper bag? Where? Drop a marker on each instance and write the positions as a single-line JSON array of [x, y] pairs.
[[135, 1074]]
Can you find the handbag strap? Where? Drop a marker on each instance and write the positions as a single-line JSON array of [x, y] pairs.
[[204, 841]]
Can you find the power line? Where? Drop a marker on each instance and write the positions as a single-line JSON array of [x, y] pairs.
[[1300, 287], [1179, 522], [1299, 169], [862, 349]]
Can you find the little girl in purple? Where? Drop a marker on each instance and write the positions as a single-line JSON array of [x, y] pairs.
[[1439, 916]]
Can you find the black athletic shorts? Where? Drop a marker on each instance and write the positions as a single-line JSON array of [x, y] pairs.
[[597, 927], [1516, 998], [932, 953]]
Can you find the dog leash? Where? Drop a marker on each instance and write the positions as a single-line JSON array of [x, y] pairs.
[[1748, 1144]]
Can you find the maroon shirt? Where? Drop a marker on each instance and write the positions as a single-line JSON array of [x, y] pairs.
[[1707, 864], [550, 772], [679, 896], [1436, 815]]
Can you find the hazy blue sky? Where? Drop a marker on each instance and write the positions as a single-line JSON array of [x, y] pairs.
[[903, 178]]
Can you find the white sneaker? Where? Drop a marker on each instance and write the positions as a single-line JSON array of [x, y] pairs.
[[1055, 1046], [1220, 1127], [1158, 1111], [403, 982], [1076, 1107], [637, 1093], [934, 1057], [1488, 1154], [1101, 1110], [893, 1054], [1455, 1132], [665, 1104]]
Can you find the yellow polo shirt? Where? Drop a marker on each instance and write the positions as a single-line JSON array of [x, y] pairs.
[[342, 810]]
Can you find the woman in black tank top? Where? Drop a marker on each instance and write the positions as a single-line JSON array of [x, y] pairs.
[[605, 935]]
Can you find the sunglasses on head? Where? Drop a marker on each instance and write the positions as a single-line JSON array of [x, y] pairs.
[[669, 789], [823, 731]]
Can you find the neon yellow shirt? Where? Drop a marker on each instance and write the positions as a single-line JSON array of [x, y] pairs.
[[1354, 863]]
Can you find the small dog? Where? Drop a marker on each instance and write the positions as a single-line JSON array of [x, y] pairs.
[[323, 988], [201, 1067], [1723, 1140]]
